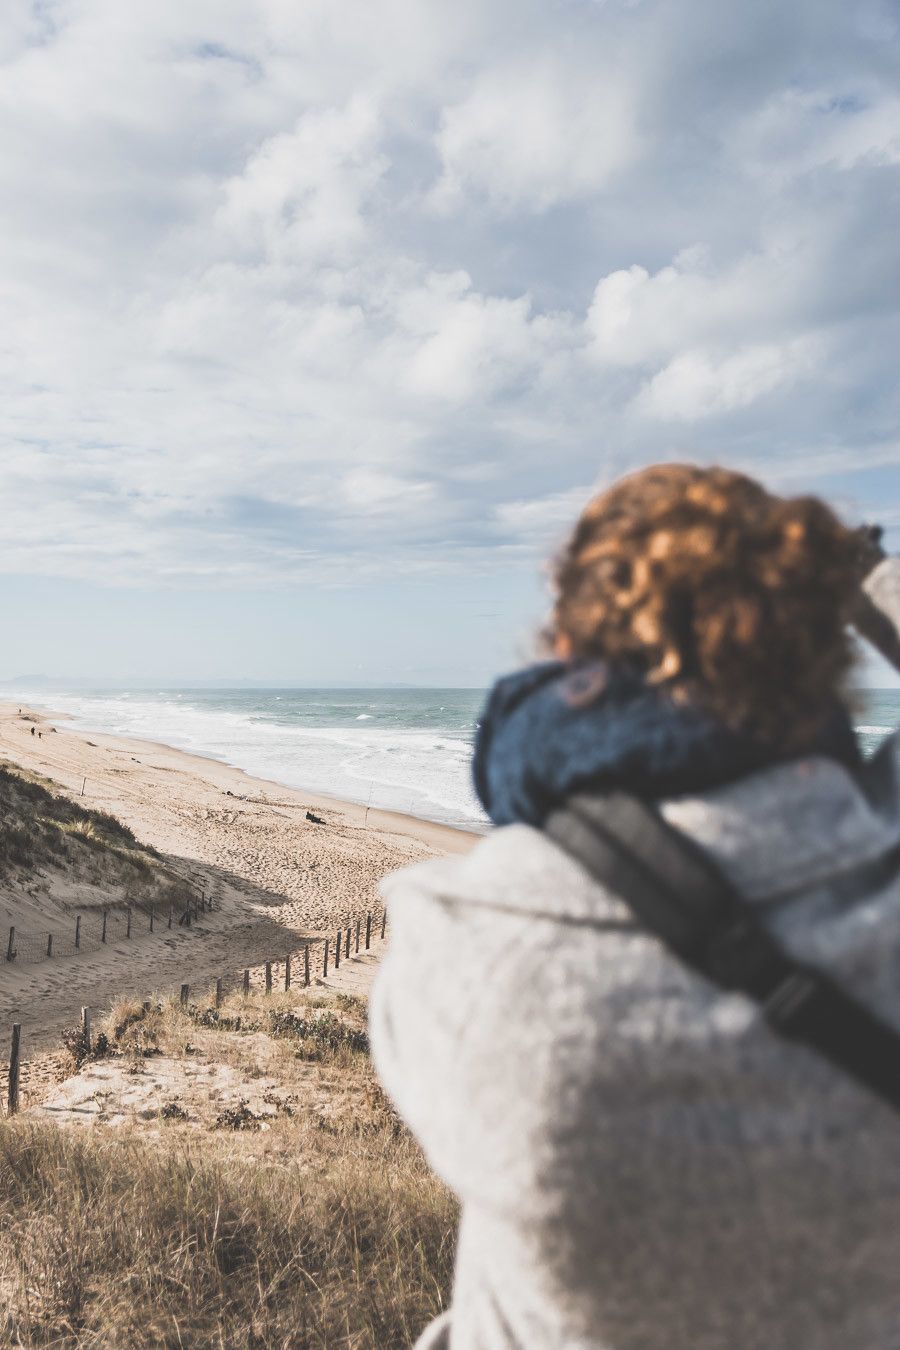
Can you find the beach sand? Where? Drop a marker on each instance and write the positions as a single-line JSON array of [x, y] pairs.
[[278, 879]]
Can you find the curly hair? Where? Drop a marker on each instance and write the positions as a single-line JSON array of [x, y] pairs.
[[717, 591]]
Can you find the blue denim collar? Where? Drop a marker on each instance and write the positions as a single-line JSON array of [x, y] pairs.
[[552, 730]]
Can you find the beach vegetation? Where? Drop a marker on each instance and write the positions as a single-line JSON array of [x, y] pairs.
[[47, 837], [297, 1212]]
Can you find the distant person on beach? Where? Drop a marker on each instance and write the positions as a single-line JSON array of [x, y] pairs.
[[656, 1144]]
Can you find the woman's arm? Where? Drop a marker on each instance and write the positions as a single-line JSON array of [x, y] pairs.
[[877, 617]]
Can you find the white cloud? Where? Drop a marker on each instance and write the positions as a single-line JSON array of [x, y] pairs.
[[542, 520], [695, 384], [299, 199], [799, 131], [368, 492], [275, 277], [468, 344], [537, 133]]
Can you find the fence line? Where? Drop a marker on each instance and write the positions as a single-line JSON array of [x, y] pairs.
[[91, 932], [224, 984]]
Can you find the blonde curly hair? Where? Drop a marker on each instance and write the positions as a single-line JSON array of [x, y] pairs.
[[716, 590]]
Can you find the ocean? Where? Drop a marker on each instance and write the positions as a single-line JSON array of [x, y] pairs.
[[877, 715], [400, 749]]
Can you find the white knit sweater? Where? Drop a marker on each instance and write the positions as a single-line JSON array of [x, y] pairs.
[[642, 1164]]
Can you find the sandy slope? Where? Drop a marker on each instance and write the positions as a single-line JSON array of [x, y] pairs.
[[278, 878]]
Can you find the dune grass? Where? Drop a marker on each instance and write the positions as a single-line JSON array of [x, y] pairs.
[[44, 832], [323, 1228], [110, 1241]]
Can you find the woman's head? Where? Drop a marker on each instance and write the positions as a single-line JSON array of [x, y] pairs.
[[716, 590]]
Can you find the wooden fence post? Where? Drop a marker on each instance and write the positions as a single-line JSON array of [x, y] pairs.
[[185, 991], [103, 930], [246, 981], [86, 1028], [11, 945], [219, 993], [383, 923], [287, 972], [77, 931], [306, 965], [268, 977], [347, 947], [49, 944], [358, 927], [13, 1096], [337, 949], [325, 960], [128, 923], [368, 930], [151, 918], [171, 909]]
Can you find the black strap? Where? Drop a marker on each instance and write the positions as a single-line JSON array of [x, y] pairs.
[[677, 893]]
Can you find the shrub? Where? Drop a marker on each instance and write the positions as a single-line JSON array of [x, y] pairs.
[[324, 1030], [76, 1043], [173, 1111], [238, 1117]]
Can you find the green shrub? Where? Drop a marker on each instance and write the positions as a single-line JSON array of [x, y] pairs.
[[323, 1029]]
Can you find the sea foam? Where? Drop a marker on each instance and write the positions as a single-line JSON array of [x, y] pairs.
[[416, 757]]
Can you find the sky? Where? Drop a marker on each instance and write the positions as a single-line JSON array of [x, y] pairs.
[[321, 320]]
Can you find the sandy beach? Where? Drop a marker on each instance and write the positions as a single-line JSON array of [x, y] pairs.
[[278, 878]]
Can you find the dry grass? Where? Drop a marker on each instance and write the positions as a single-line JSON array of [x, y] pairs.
[[44, 832], [325, 1228]]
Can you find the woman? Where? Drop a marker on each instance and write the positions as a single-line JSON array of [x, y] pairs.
[[642, 1163]]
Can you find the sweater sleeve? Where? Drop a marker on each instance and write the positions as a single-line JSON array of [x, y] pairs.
[[878, 619]]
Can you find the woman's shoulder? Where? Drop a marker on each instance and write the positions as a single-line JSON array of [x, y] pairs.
[[515, 869]]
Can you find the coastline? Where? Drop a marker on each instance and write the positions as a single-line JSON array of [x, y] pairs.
[[359, 747], [214, 769], [282, 878]]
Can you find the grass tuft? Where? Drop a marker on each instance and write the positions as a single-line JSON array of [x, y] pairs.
[[42, 832], [303, 1216], [110, 1240]]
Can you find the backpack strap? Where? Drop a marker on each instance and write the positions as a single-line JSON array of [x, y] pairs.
[[677, 893]]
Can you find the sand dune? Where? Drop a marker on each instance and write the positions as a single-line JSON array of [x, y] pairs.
[[278, 878]]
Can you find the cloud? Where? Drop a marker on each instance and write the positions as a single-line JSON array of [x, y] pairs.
[[300, 196], [542, 520], [289, 290], [370, 493], [693, 385], [467, 344], [532, 135]]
